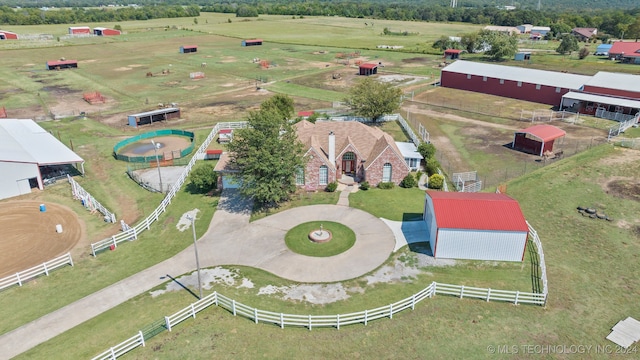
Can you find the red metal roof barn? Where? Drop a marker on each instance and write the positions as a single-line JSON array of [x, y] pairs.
[[185, 49], [546, 87], [475, 226], [61, 64], [368, 69], [101, 31], [79, 30], [7, 35], [537, 139]]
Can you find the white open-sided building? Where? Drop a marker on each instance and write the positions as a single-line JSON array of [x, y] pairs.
[[475, 226], [29, 155]]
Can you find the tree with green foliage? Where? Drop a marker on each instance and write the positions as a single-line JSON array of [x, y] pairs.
[[583, 53], [427, 150], [372, 99], [557, 30], [500, 45], [471, 42], [445, 43], [280, 103], [267, 154], [431, 166], [202, 178], [568, 44]]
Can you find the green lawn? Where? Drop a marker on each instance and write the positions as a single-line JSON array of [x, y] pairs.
[[298, 239], [393, 204]]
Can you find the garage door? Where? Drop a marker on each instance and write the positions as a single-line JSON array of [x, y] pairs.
[[230, 182]]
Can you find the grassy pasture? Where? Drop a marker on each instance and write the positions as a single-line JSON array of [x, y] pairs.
[[592, 278]]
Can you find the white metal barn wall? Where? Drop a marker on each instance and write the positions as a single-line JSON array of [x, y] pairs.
[[430, 219], [481, 244], [11, 174]]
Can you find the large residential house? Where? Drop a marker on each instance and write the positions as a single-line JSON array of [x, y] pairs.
[[348, 150]]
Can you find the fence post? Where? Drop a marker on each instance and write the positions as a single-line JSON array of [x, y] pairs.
[[390, 311], [461, 291], [215, 298], [488, 294], [113, 353], [113, 238], [434, 285], [70, 259], [233, 307], [141, 338], [255, 314], [366, 313], [338, 321], [167, 323], [309, 322], [147, 221], [413, 302], [517, 295], [281, 321], [45, 269], [193, 311], [19, 280]]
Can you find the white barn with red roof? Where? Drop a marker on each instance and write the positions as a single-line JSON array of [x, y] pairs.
[[475, 226]]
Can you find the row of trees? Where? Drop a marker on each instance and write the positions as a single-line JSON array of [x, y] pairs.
[[34, 16]]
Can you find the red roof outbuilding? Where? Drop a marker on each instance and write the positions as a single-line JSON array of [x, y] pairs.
[[477, 211], [544, 132], [624, 48]]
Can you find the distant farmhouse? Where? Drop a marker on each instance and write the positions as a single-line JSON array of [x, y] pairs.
[[625, 51], [584, 34]]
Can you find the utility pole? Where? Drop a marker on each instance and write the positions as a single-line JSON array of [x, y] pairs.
[[195, 246], [155, 150]]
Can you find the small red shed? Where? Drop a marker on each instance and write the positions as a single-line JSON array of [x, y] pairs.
[[7, 35], [61, 64], [79, 30], [452, 54], [368, 69], [252, 42], [101, 31], [212, 154], [185, 49], [537, 139]]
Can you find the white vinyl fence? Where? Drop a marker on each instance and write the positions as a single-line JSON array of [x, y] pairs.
[[623, 126], [145, 224], [88, 201], [335, 321], [533, 234], [20, 277]]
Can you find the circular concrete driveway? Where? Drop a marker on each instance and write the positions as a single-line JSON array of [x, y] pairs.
[[232, 240]]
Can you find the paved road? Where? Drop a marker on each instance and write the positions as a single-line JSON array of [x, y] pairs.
[[230, 240]]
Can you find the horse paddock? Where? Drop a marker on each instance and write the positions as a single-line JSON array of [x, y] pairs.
[[30, 236]]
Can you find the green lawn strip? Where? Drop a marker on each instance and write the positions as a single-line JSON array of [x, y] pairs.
[[298, 90], [298, 241], [298, 199], [394, 204], [394, 129]]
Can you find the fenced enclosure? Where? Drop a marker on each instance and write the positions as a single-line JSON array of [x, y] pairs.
[[149, 135], [45, 268], [467, 181], [623, 126], [88, 201], [316, 321], [132, 233]]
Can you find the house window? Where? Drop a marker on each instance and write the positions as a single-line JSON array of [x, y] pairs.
[[386, 172], [412, 162], [468, 76], [501, 81], [537, 86], [349, 156], [323, 176], [484, 78], [299, 176], [557, 89], [519, 83]]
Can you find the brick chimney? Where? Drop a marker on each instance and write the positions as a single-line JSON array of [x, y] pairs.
[[332, 148]]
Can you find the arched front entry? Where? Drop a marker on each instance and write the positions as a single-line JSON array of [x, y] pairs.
[[349, 162]]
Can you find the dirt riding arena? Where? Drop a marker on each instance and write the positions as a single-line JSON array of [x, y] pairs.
[[168, 147], [29, 236]]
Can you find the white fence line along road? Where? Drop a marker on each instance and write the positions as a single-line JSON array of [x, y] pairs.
[[88, 201], [45, 268], [145, 224], [336, 321]]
